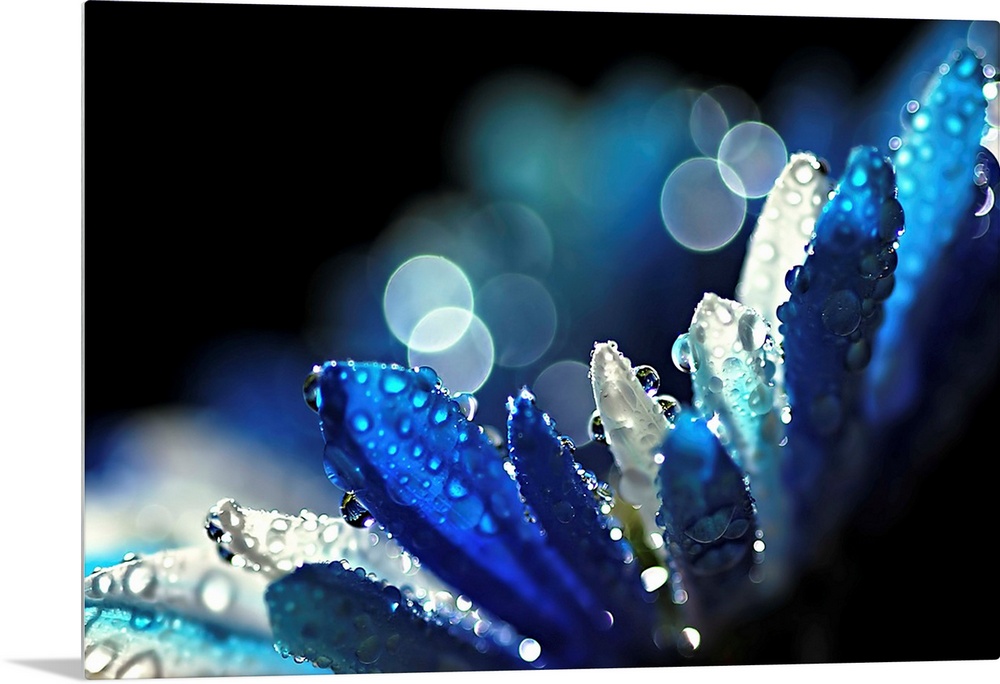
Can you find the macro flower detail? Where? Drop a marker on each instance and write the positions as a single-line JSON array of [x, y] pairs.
[[461, 546]]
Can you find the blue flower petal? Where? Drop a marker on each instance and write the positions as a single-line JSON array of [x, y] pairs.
[[437, 484], [340, 619], [551, 484], [709, 519], [831, 317], [935, 173]]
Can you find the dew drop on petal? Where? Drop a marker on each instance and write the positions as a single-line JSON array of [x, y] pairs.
[[682, 355], [354, 513], [648, 378], [842, 312]]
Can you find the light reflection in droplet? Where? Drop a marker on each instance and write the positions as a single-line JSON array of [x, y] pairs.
[[752, 155], [698, 208], [564, 391], [465, 365], [988, 203], [418, 287], [521, 315]]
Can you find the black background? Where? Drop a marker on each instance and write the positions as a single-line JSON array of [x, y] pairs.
[[221, 142]]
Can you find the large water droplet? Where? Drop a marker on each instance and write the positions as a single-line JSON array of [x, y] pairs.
[[682, 356], [669, 405], [467, 404], [842, 312], [369, 650], [648, 378], [140, 581], [752, 331], [310, 389]]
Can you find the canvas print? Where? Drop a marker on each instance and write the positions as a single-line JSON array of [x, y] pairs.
[[426, 340]]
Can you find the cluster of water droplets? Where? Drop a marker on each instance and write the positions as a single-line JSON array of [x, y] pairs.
[[153, 616]]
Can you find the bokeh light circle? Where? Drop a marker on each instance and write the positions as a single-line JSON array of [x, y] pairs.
[[521, 315], [465, 365], [564, 392], [752, 155], [698, 208], [439, 329], [708, 124], [420, 286]]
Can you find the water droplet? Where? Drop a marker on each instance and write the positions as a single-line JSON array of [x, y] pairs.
[[648, 378], [877, 265], [99, 657], [369, 650], [310, 389], [140, 581], [895, 142], [669, 405], [858, 355], [804, 173], [393, 381], [467, 404], [392, 596], [842, 312], [797, 280], [354, 513], [596, 428], [361, 421], [752, 331], [457, 489], [102, 585], [682, 356]]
